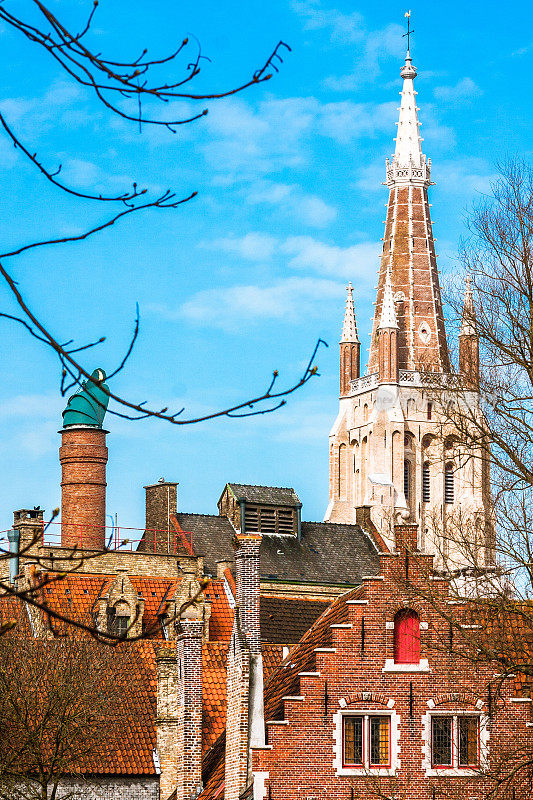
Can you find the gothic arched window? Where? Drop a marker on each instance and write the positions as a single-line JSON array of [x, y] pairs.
[[407, 479], [406, 637], [449, 481]]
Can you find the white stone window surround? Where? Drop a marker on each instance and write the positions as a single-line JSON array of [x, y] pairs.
[[455, 771], [392, 666], [338, 747]]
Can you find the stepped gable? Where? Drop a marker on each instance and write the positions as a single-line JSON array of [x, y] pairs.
[[269, 495], [286, 620], [327, 553]]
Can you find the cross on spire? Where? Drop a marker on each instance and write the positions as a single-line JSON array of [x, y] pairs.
[[409, 29]]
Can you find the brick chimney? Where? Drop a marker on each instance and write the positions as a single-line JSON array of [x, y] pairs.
[[245, 727], [83, 458], [161, 502], [179, 711], [25, 538]]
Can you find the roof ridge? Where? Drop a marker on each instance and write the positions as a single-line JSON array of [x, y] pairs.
[[262, 486]]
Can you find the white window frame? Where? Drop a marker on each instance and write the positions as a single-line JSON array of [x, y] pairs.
[[338, 748], [455, 770]]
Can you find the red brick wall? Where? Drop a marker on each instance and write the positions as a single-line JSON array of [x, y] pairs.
[[300, 764], [83, 458]]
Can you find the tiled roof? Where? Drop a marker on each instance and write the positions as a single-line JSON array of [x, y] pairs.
[[221, 620], [285, 620], [76, 596], [327, 553], [284, 680], [214, 658], [268, 495]]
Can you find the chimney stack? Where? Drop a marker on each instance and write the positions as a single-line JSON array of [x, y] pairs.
[[179, 711], [83, 458], [161, 502], [245, 726]]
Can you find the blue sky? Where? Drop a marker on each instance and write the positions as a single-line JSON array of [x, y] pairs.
[[245, 278]]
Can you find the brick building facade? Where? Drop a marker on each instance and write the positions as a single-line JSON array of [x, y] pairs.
[[282, 659]]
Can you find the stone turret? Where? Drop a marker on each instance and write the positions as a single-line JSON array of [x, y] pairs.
[[350, 346]]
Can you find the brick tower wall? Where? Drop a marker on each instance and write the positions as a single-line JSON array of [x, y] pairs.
[[83, 458]]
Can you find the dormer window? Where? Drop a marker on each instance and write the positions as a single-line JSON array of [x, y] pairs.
[[406, 637]]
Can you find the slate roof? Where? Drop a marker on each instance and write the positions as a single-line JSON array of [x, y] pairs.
[[285, 620], [327, 553], [267, 495]]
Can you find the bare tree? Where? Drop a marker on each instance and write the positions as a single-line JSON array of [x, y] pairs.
[[143, 82], [137, 90], [60, 701], [487, 413]]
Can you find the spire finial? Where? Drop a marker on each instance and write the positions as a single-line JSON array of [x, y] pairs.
[[409, 32], [388, 310], [349, 327]]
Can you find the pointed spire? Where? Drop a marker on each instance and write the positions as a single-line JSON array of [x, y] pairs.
[[349, 327], [468, 322], [409, 165], [388, 311]]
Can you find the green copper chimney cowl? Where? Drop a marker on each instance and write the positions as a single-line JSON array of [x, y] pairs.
[[89, 404]]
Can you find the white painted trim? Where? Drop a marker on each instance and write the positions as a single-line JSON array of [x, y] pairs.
[[299, 697], [324, 650], [309, 674], [260, 791], [346, 625], [394, 742], [521, 700], [356, 602], [455, 771], [391, 666]]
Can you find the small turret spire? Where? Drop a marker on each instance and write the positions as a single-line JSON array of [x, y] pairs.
[[349, 327], [388, 311], [468, 322]]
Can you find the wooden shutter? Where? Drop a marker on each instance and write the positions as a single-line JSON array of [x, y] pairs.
[[406, 637]]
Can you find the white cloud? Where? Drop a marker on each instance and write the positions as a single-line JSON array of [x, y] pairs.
[[252, 246], [344, 28], [291, 299], [465, 176], [377, 46], [464, 89], [247, 143], [357, 263], [35, 406], [291, 199]]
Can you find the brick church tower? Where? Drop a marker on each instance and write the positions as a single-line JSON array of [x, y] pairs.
[[393, 456]]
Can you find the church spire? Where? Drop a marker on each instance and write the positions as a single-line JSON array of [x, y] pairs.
[[408, 256], [388, 312], [388, 336], [350, 347], [349, 327]]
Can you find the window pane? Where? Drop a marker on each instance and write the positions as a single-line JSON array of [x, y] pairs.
[[468, 741], [441, 741], [379, 740], [353, 740]]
